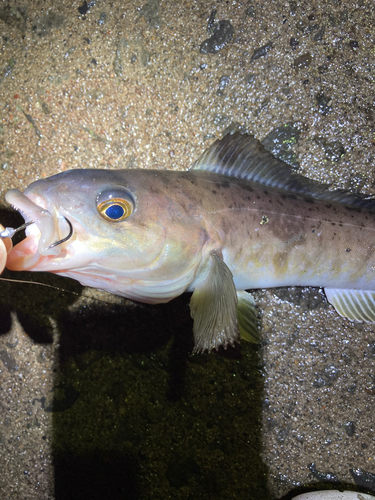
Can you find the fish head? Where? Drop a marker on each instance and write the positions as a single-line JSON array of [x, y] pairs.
[[123, 231]]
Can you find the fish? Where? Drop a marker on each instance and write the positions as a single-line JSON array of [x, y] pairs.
[[239, 219]]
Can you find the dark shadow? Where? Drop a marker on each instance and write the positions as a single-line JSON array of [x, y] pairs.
[[133, 328], [98, 476], [130, 394], [33, 303], [10, 217]]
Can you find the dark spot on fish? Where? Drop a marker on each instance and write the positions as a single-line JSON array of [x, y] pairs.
[[329, 205], [165, 180], [187, 175], [224, 184], [333, 223], [354, 209], [213, 191], [348, 249], [291, 196], [265, 192], [340, 224], [225, 225], [141, 224], [313, 230], [258, 197], [308, 199], [246, 187]]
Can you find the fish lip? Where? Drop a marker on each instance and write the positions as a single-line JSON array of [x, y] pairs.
[[50, 227]]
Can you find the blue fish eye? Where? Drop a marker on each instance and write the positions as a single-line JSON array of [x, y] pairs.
[[115, 205], [115, 212]]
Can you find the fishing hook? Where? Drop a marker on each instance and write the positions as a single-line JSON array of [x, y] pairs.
[[9, 232], [66, 237]]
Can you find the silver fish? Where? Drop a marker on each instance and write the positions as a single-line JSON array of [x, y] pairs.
[[239, 219]]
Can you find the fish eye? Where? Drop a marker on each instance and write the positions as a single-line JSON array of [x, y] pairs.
[[115, 204]]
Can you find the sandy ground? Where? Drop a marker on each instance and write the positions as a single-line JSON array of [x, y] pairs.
[[112, 389]]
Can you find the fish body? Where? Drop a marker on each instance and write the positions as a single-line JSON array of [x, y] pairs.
[[239, 219]]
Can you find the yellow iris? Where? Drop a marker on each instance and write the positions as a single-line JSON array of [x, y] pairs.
[[115, 209]]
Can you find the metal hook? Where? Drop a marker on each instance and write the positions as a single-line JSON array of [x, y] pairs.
[[66, 237], [9, 232]]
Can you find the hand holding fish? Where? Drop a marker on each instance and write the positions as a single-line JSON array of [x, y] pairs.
[[5, 247]]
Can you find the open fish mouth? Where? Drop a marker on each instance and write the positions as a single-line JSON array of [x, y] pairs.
[[45, 231]]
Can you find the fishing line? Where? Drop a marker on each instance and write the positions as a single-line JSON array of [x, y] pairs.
[[41, 284], [56, 288]]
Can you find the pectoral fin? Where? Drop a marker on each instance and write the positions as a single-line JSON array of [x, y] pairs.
[[213, 308], [247, 317], [356, 305]]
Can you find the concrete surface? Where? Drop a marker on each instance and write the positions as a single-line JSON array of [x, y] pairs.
[[140, 84]]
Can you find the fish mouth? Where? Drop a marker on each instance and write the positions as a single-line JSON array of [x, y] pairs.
[[44, 232]]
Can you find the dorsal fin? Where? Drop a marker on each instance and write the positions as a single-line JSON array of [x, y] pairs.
[[242, 156]]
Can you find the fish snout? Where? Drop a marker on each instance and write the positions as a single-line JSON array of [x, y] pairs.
[[45, 230]]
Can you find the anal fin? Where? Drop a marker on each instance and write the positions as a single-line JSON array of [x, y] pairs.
[[247, 317], [357, 305]]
